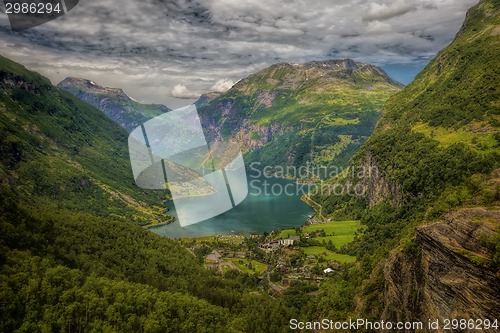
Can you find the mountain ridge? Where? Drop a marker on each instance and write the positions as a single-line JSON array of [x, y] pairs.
[[295, 114], [117, 105]]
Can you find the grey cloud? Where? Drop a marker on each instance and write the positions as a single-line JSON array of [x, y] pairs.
[[148, 47]]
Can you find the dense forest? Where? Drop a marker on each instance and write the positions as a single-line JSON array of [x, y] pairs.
[[75, 256]]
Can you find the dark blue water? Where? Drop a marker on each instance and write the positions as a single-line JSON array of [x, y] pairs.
[[266, 208]]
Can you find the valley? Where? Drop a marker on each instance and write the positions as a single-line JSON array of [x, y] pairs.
[[82, 248]]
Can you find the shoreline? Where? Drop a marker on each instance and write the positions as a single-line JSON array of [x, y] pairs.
[[161, 224]]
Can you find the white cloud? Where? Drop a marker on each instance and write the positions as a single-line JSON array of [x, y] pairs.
[[181, 91], [378, 27], [222, 85], [381, 12]]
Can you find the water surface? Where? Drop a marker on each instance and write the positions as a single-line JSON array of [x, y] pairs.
[[266, 208]]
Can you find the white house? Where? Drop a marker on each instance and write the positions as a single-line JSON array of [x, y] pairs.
[[289, 241]]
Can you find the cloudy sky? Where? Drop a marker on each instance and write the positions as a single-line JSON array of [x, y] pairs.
[[170, 51]]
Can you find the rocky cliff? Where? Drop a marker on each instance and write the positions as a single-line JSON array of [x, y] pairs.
[[448, 272]]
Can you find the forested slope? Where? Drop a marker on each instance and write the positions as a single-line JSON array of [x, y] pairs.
[[433, 154], [72, 254]]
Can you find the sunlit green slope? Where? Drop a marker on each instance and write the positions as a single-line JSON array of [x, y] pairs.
[[293, 114]]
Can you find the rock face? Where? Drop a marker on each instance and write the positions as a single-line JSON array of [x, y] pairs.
[[12, 80], [378, 186], [113, 102], [293, 114], [448, 273]]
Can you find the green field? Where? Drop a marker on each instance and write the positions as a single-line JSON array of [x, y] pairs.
[[243, 264], [328, 255], [339, 232], [285, 233], [479, 136], [342, 231]]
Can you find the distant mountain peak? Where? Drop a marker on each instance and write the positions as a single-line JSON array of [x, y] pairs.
[[117, 105], [337, 63], [90, 85]]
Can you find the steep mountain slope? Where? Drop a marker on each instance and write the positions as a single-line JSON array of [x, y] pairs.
[[454, 267], [318, 112], [451, 113], [434, 157], [57, 151], [125, 111], [70, 258]]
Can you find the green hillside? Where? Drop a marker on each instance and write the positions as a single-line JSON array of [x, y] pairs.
[[434, 151], [444, 127], [292, 115], [59, 152], [72, 256]]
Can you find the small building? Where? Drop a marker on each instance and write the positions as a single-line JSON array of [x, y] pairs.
[[213, 257], [328, 270], [270, 247], [289, 241]]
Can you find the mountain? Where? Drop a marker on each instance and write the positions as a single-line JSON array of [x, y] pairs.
[[57, 151], [430, 181], [73, 256], [294, 114], [124, 110]]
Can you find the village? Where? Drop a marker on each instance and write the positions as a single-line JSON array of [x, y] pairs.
[[307, 254]]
